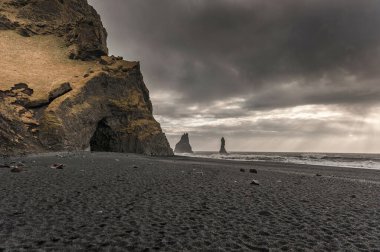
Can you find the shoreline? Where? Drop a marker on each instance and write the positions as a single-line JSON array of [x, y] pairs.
[[336, 160], [333, 171], [263, 163], [119, 202]]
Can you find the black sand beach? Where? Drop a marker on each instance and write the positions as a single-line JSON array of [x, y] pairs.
[[126, 202]]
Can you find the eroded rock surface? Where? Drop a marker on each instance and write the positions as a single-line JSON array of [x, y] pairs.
[[52, 100], [74, 20]]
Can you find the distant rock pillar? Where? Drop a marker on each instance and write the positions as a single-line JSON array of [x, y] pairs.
[[223, 146], [183, 146]]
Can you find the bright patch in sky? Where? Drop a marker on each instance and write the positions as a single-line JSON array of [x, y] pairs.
[[307, 128]]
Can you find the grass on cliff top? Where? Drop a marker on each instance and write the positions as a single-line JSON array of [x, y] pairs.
[[39, 61]]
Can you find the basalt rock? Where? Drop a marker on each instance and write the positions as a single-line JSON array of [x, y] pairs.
[[60, 91], [223, 146], [183, 146]]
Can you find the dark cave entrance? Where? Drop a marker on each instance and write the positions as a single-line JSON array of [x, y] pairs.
[[103, 138]]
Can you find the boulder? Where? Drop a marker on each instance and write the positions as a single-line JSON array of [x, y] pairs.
[[59, 90], [183, 146]]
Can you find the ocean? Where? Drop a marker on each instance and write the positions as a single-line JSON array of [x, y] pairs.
[[351, 160]]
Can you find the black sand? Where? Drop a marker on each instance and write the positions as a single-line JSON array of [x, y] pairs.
[[119, 202]]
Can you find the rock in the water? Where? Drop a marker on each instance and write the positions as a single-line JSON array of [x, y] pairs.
[[51, 106], [183, 146], [223, 146]]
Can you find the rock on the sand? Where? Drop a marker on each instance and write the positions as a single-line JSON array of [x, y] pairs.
[[265, 213], [255, 182], [16, 170]]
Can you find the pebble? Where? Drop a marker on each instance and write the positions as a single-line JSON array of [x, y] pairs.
[[265, 213], [16, 170], [57, 166], [255, 182]]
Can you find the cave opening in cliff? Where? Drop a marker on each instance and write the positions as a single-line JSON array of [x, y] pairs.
[[103, 137]]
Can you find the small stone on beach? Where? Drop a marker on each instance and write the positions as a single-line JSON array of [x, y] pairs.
[[318, 175], [57, 166], [265, 213], [16, 170], [255, 182], [252, 170], [242, 170]]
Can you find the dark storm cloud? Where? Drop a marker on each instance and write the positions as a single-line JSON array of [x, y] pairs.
[[360, 96], [281, 127], [216, 49]]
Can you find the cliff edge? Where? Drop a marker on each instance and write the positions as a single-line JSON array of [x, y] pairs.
[[60, 91]]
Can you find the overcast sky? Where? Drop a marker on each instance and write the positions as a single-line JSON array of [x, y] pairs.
[[279, 75]]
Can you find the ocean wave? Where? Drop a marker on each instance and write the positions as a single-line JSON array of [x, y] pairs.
[[364, 161]]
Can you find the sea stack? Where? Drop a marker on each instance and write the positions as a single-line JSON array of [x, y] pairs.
[[183, 146], [223, 146], [59, 89]]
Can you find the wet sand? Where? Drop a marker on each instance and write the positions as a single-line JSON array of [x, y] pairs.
[[126, 202]]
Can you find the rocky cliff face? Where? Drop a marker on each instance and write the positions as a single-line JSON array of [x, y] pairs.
[[183, 146], [74, 20], [60, 91]]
